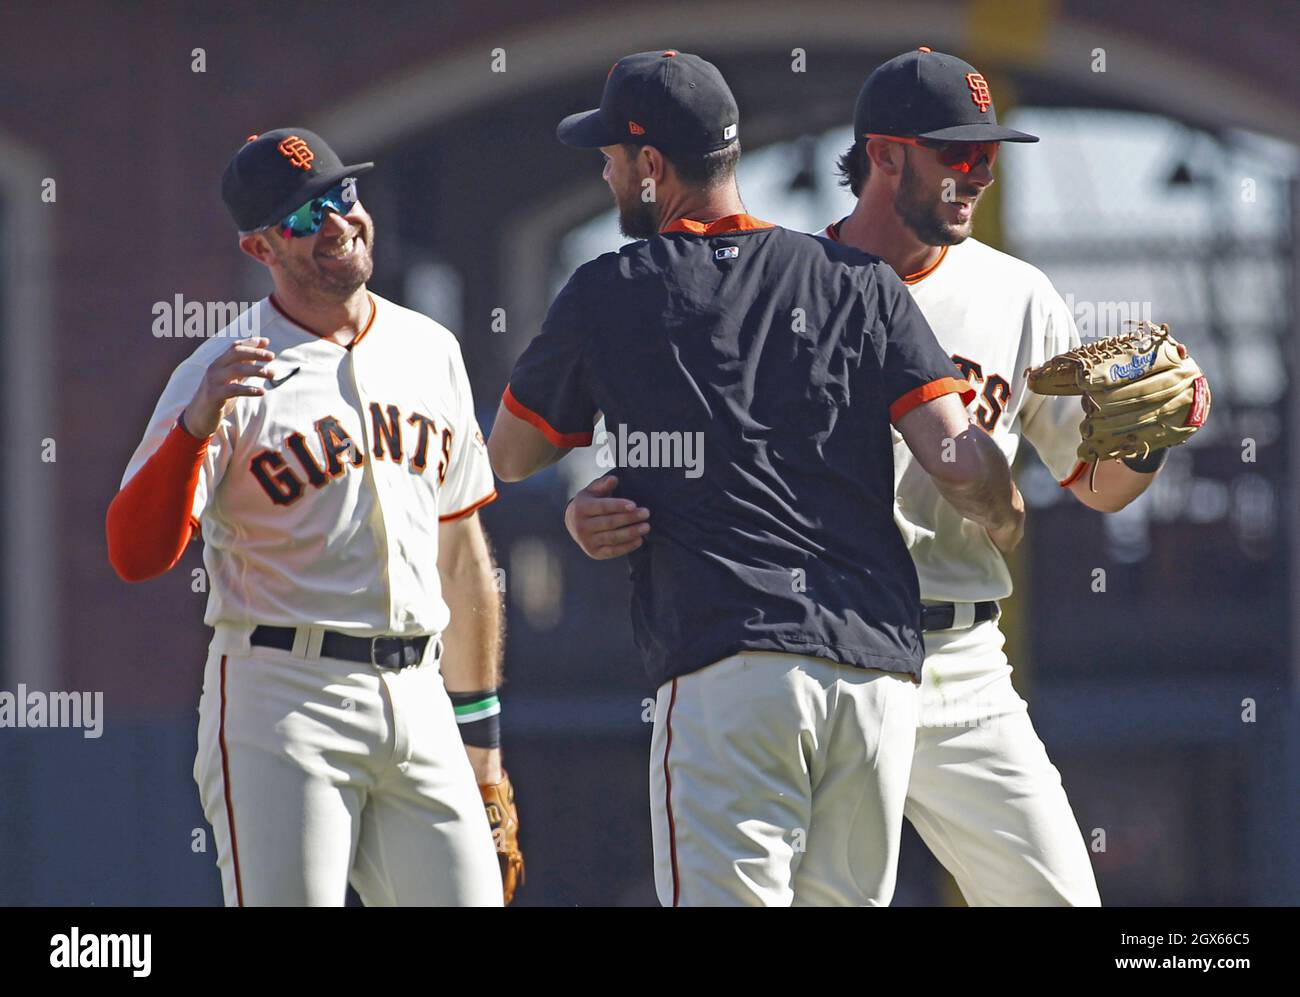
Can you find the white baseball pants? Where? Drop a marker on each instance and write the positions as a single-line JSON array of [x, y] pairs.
[[316, 772], [983, 795], [778, 780]]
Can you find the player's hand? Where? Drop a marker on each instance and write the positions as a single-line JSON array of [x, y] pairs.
[[1007, 535], [222, 382], [605, 527]]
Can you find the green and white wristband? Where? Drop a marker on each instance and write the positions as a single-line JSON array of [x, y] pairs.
[[478, 715]]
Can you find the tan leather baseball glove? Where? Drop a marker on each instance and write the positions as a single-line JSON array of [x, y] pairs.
[[499, 802], [1141, 392]]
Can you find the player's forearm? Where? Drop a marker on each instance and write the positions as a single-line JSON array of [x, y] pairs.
[[977, 482], [472, 641], [471, 655], [1117, 485]]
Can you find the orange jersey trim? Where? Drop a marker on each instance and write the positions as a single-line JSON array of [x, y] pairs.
[[149, 521], [1076, 474], [320, 335], [928, 392], [469, 508], [565, 440], [728, 223], [920, 275]]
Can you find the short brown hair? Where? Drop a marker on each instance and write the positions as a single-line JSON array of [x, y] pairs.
[[854, 166], [699, 169]]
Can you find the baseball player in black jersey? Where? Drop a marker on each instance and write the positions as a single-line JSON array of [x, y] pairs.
[[749, 376]]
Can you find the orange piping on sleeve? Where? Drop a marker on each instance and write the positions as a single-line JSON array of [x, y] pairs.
[[929, 392], [1076, 474], [566, 440], [149, 522], [461, 514]]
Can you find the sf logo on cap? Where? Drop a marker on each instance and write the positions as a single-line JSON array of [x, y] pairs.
[[297, 152], [979, 90]]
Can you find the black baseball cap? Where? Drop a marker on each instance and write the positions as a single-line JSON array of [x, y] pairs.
[[926, 94], [669, 99], [278, 171]]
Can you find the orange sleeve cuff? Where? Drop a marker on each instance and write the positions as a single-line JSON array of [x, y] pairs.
[[474, 507], [1076, 474], [149, 521], [521, 411], [928, 393]]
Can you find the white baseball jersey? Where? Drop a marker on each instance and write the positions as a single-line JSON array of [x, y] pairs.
[[319, 501], [996, 316]]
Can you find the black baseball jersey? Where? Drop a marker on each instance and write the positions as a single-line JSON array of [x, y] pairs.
[[748, 376]]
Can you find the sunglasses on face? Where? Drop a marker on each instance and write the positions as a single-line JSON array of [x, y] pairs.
[[308, 219], [959, 156]]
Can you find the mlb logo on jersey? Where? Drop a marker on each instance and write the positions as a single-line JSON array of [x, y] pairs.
[[726, 253]]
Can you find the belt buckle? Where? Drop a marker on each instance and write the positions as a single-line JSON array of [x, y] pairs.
[[374, 642], [402, 644]]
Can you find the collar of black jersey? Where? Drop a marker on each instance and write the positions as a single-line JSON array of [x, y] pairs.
[[721, 226]]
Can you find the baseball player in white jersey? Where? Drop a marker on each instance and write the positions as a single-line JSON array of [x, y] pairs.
[[983, 794], [334, 465]]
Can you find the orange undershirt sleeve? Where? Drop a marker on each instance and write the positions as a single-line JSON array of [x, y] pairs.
[[149, 522]]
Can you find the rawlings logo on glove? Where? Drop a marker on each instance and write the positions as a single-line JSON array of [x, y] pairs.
[[1140, 391]]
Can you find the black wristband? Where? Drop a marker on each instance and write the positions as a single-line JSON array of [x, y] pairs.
[[1149, 464], [478, 715]]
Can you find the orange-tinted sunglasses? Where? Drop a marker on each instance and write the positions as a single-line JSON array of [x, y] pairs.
[[960, 156]]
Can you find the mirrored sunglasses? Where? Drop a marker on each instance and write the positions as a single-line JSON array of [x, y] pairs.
[[308, 219], [960, 156]]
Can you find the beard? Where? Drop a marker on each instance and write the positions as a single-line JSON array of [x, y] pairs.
[[332, 281], [637, 219], [915, 204]]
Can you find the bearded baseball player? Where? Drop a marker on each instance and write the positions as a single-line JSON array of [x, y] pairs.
[[775, 603], [983, 794], [334, 466]]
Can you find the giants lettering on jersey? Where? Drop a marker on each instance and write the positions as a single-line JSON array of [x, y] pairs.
[[993, 399], [339, 451]]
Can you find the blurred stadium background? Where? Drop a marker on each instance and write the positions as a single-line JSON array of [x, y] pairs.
[[1166, 181]]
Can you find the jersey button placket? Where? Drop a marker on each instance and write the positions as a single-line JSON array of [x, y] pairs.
[[372, 476]]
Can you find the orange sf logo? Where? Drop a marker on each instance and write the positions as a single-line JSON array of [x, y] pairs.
[[297, 152], [979, 90], [635, 129]]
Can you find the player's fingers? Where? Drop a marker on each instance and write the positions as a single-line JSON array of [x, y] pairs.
[[607, 553], [616, 538], [587, 507], [234, 388], [603, 486], [613, 521], [247, 348], [244, 356], [234, 371]]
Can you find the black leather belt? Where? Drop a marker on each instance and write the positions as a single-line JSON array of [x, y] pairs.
[[383, 652], [943, 615]]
